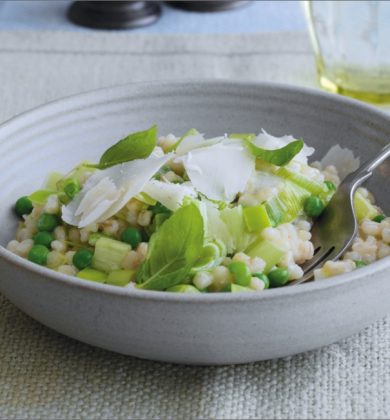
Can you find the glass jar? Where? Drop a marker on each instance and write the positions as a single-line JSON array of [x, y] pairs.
[[351, 40]]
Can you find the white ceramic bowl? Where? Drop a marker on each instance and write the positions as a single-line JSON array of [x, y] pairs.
[[196, 329]]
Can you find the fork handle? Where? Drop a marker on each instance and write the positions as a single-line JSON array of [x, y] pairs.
[[365, 171]]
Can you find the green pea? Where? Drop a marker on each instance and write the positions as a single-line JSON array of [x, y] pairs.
[[131, 236], [83, 258], [330, 185], [278, 277], [23, 206], [43, 238], [264, 278], [314, 206], [241, 272], [159, 208], [38, 254], [360, 263], [72, 187], [47, 222], [379, 218]]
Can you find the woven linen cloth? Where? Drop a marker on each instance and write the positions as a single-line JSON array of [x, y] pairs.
[[48, 376]]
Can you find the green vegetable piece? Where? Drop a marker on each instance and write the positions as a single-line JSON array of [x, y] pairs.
[[92, 275], [243, 136], [109, 254], [278, 277], [288, 204], [309, 185], [121, 277], [41, 196], [38, 254], [218, 287], [221, 247], [173, 250], [256, 218], [268, 251], [233, 218], [183, 288], [314, 206], [241, 272], [94, 237], [52, 180], [77, 173], [43, 238], [131, 236], [160, 218], [72, 187], [23, 206], [209, 258], [363, 208], [360, 264], [159, 208], [83, 258], [330, 186], [264, 278], [146, 199], [235, 288], [47, 222], [379, 218], [135, 146], [278, 157]]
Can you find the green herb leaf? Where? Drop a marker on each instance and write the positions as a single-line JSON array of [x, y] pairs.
[[173, 250], [135, 146], [278, 157], [41, 196]]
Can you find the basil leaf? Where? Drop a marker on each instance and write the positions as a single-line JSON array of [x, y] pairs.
[[173, 250], [135, 146], [278, 157]]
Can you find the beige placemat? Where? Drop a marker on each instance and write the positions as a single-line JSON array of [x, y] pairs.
[[46, 375]]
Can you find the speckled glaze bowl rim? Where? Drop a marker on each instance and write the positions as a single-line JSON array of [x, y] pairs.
[[287, 291]]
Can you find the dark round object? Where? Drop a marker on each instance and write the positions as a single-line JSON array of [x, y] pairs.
[[314, 206], [379, 218], [38, 254], [82, 259], [114, 14], [131, 236], [23, 206], [278, 277], [208, 6], [47, 222], [43, 238]]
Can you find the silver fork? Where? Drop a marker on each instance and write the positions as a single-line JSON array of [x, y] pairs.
[[336, 228]]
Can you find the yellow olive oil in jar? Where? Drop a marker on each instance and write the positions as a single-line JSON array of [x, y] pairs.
[[351, 41]]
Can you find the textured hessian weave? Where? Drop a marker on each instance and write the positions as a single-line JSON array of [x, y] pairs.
[[46, 375]]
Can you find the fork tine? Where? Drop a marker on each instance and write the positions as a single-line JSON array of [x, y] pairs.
[[332, 254], [304, 279], [309, 267], [317, 259]]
